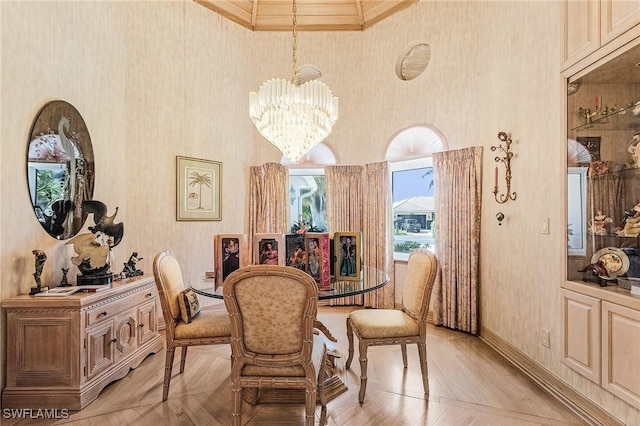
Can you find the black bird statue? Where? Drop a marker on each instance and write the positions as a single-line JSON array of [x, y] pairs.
[[104, 223]]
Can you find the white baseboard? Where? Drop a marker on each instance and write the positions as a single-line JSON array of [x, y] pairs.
[[581, 406]]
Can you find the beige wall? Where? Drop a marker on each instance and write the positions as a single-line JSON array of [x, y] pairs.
[[158, 79]]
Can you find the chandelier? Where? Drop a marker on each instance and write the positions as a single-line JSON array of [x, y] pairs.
[[293, 117]]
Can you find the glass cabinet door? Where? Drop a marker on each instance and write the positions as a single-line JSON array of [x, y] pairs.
[[603, 172]]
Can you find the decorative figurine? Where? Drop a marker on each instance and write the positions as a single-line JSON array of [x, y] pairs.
[[130, 267], [94, 249], [598, 225], [64, 282], [40, 258], [632, 149]]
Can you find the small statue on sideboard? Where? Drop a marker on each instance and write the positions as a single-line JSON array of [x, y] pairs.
[[64, 282], [40, 258], [130, 269]]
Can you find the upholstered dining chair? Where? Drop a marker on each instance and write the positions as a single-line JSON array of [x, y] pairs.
[[397, 326], [273, 310], [184, 329]]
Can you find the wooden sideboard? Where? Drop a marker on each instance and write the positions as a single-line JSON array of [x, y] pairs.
[[62, 351]]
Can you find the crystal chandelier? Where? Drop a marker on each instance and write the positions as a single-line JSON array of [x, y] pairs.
[[293, 117]]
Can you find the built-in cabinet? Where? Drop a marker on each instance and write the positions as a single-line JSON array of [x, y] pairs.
[[62, 351], [592, 24], [600, 317], [581, 331], [621, 351], [602, 339]]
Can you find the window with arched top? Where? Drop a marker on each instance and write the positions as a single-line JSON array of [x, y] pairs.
[[409, 153], [307, 190]]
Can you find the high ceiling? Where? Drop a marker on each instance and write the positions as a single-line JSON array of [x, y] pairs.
[[312, 15]]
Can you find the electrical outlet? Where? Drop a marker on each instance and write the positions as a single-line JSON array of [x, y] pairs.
[[545, 338]]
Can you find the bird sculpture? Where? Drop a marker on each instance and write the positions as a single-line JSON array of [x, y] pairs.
[[104, 223], [92, 253], [94, 249]]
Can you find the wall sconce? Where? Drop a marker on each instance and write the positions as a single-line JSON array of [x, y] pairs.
[[506, 160]]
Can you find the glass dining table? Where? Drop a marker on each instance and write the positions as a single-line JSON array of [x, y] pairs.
[[370, 279]]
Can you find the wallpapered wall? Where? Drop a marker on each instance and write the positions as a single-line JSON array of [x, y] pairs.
[[158, 79]]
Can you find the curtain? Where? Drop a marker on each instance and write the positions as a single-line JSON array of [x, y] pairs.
[[344, 208], [377, 234], [458, 201], [268, 201], [606, 193]]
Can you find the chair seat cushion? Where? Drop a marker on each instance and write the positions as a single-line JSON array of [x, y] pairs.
[[207, 324], [383, 323], [319, 348]]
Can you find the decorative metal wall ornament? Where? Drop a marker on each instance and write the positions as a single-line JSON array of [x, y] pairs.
[[506, 160]]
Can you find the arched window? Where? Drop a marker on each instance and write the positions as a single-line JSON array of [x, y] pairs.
[[409, 153], [307, 190]]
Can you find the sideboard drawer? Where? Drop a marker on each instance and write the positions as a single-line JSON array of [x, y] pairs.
[[108, 308]]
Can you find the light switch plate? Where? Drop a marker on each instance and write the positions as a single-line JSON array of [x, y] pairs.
[[544, 227]]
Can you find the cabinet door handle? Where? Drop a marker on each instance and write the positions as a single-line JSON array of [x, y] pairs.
[[140, 325], [103, 314], [149, 294], [114, 340]]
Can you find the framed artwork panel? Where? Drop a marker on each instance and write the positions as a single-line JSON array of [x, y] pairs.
[[198, 189], [318, 258], [295, 254], [269, 249], [592, 143], [348, 252], [230, 252]]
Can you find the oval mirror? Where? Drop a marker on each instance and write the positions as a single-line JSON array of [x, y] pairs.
[[60, 169]]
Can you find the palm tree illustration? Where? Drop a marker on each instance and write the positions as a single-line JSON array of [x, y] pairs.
[[196, 178]]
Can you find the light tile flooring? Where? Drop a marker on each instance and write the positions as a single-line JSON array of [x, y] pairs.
[[469, 385]]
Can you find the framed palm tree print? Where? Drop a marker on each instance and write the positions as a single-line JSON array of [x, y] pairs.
[[198, 189]]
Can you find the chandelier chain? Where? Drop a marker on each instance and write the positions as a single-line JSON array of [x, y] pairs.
[[294, 78], [293, 118]]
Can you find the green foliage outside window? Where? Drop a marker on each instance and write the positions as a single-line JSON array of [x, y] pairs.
[[407, 246]]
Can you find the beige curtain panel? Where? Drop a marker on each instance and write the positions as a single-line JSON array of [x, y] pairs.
[[268, 201], [344, 208], [377, 234], [458, 201]]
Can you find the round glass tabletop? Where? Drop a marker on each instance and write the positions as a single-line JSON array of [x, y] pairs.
[[370, 279]]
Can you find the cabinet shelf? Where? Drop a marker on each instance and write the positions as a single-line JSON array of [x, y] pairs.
[[617, 119]]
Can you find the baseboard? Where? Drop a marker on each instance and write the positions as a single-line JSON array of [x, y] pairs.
[[581, 406]]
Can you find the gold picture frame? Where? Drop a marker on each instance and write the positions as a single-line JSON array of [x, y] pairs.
[[198, 186], [268, 249], [348, 255]]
